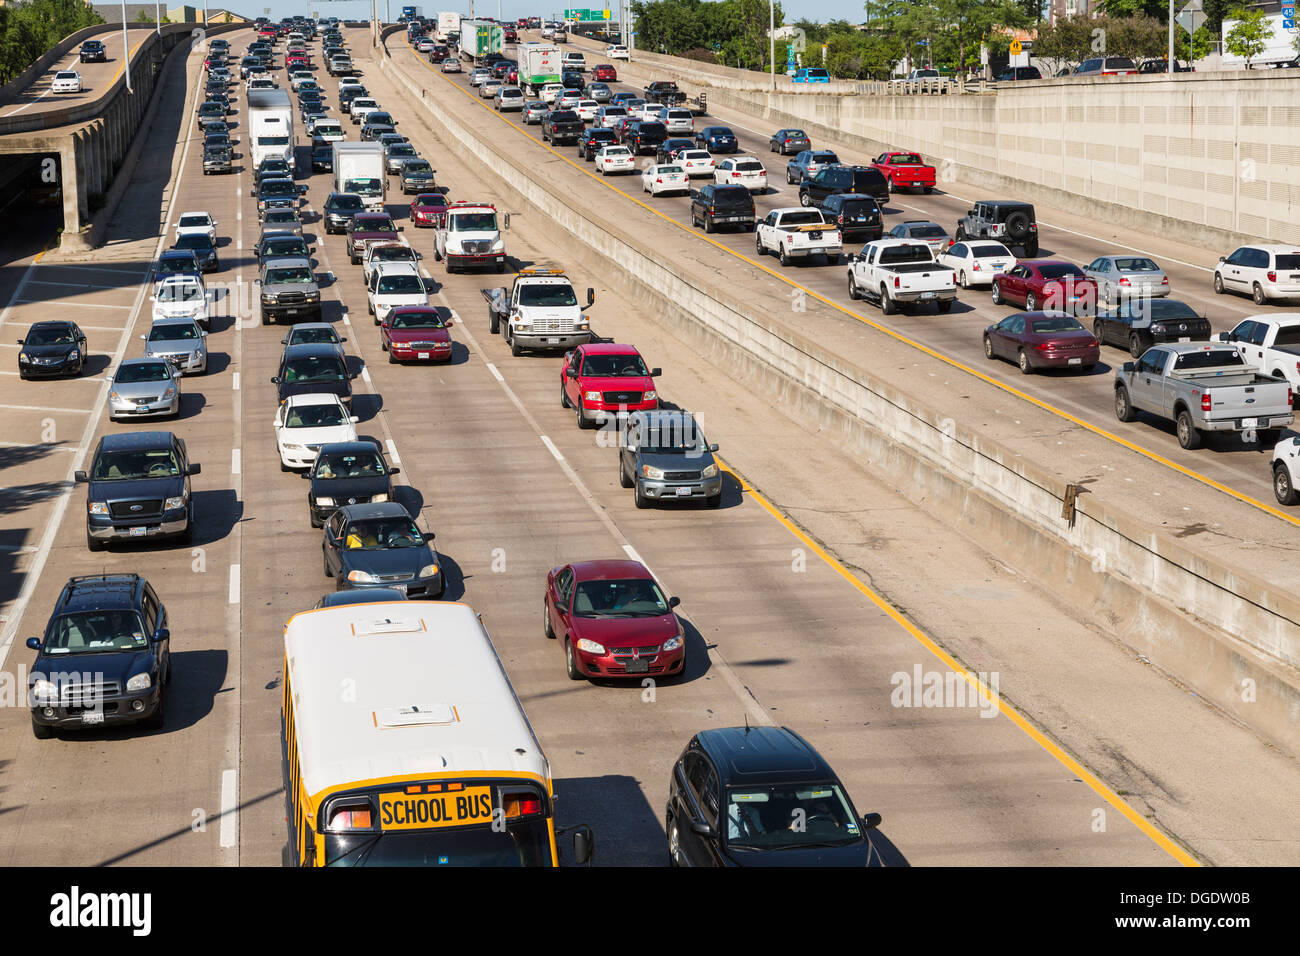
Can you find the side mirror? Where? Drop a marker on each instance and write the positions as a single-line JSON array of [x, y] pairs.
[[285, 340], [152, 298], [275, 380], [871, 820], [703, 829], [401, 229], [305, 474], [351, 376], [713, 447], [34, 643], [80, 477], [506, 221], [674, 601], [353, 418], [1223, 258], [570, 372], [394, 470], [1130, 366], [591, 297], [656, 372], [162, 635], [429, 536], [194, 469]]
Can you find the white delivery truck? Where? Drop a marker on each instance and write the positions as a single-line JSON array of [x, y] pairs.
[[270, 126], [359, 168], [448, 23], [539, 64]]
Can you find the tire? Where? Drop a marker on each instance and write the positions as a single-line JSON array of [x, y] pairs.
[[546, 621], [961, 234], [1022, 362], [1031, 303], [996, 292], [41, 732], [325, 564], [709, 226], [674, 842], [988, 348], [1135, 348], [854, 294], [1258, 295], [1017, 226], [283, 466], [804, 199], [624, 480], [785, 259], [961, 279], [265, 321], [392, 359], [944, 305], [564, 397], [1124, 406], [156, 720], [570, 662], [638, 499], [1283, 488], [1218, 284], [315, 523], [515, 348], [1188, 436], [494, 321], [94, 544], [789, 177], [758, 246], [887, 305]]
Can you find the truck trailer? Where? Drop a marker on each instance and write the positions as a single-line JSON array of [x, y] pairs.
[[270, 126]]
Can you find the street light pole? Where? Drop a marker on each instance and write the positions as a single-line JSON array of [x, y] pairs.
[[771, 40], [126, 49], [157, 16], [1170, 64]]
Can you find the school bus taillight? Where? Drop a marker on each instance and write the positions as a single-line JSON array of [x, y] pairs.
[[351, 817], [520, 805]]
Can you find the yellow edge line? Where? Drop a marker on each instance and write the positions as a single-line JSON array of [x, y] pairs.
[[134, 50], [1103, 791], [1164, 842], [988, 379]]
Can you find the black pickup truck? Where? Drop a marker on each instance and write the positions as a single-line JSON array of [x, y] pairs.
[[562, 126]]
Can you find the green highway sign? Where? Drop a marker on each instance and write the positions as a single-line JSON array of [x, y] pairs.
[[586, 15]]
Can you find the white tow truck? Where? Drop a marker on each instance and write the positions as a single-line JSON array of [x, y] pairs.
[[539, 311], [797, 233], [470, 235]]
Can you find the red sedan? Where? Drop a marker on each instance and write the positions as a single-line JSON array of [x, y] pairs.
[[416, 333], [1046, 284], [601, 379], [604, 73], [613, 621], [427, 209], [1035, 340]]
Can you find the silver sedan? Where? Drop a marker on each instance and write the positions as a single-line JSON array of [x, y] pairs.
[[144, 388], [1123, 277]]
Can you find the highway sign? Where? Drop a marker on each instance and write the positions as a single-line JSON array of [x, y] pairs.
[[1191, 17], [586, 15]]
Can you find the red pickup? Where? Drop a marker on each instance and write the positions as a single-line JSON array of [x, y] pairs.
[[905, 171], [601, 379]]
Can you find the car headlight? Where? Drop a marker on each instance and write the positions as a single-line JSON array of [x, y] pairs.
[[98, 508], [361, 577], [196, 355], [313, 296], [325, 502], [591, 396], [167, 394], [22, 357], [73, 354], [673, 643], [43, 690], [114, 396], [650, 471], [289, 446], [499, 245], [268, 298], [379, 498], [139, 682], [174, 502], [591, 647], [710, 471], [650, 396], [428, 571]]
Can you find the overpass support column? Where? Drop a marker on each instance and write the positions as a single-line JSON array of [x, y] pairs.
[[72, 186]]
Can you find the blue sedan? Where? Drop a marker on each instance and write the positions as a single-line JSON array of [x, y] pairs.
[[717, 139]]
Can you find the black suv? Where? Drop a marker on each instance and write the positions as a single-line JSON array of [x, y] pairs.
[[339, 210], [645, 136], [859, 217], [1012, 223], [94, 51], [317, 367], [714, 205], [562, 126], [762, 796], [594, 140], [105, 657], [861, 180], [347, 473], [138, 486]]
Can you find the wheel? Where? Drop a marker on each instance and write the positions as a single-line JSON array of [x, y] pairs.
[[41, 732], [758, 245], [961, 234], [887, 305], [997, 293], [501, 267], [789, 177], [494, 321], [1218, 284], [781, 254], [546, 621], [283, 466], [570, 661], [674, 842], [944, 305], [95, 544], [1258, 295], [854, 294], [564, 397], [1123, 407], [392, 359], [1188, 436], [583, 422], [624, 479], [638, 499], [988, 348], [265, 320], [326, 564], [1283, 490], [891, 185], [156, 720], [805, 199], [961, 279], [515, 348], [356, 260], [1022, 360], [714, 501], [1135, 345], [370, 307], [709, 226], [437, 254], [316, 523], [1031, 303]]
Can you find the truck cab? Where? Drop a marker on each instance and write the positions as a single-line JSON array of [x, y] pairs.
[[539, 311], [470, 235]]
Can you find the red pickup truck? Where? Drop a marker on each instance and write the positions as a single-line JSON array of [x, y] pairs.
[[601, 379], [905, 171]]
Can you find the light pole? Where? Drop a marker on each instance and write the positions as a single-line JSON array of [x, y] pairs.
[[126, 49], [1170, 64], [771, 41], [157, 15]]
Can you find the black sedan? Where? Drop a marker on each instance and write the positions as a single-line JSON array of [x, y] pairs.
[[1137, 324], [52, 348], [717, 139], [346, 473], [202, 247], [667, 151], [379, 546], [322, 158]]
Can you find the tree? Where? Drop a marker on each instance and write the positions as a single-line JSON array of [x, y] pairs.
[[968, 22], [1137, 37], [143, 17], [1068, 40], [1247, 38]]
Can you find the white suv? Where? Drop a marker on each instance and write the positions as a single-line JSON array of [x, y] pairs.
[[1263, 272], [394, 284]]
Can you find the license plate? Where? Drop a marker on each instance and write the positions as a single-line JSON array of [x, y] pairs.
[[420, 811], [683, 492], [814, 235], [92, 717], [1184, 338], [927, 295], [1076, 361], [638, 667], [138, 532], [1249, 422], [423, 355], [290, 311]]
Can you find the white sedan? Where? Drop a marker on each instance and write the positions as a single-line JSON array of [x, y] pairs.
[[197, 223], [586, 110], [615, 159], [977, 261], [550, 91], [744, 171], [665, 178], [66, 81], [305, 422], [696, 162]]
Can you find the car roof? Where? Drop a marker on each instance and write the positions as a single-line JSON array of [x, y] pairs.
[[106, 592], [613, 570], [313, 398], [386, 509], [750, 756], [310, 350], [120, 441], [282, 262], [608, 348]]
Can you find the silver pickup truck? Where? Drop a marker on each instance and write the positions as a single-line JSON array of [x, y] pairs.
[[1203, 387]]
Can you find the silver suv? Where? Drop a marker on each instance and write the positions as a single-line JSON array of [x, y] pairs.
[[1012, 223], [663, 457]]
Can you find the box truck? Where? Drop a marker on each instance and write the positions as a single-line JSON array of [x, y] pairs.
[[448, 23], [359, 168], [270, 126], [539, 64], [478, 38]]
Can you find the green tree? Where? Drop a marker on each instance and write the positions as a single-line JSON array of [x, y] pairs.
[[143, 17], [1068, 40], [1136, 37], [967, 23], [1247, 38]]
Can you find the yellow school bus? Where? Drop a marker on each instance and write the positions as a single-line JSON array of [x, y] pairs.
[[404, 744]]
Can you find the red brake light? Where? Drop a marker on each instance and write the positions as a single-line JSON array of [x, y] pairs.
[[896, 282], [1044, 346], [1124, 281], [1272, 276], [1165, 281], [1205, 402], [975, 267]]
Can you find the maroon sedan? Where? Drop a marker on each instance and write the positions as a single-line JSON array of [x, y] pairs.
[[1035, 340], [416, 333], [1046, 284], [614, 621], [427, 209]]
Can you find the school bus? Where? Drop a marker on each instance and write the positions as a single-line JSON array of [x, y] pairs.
[[404, 744]]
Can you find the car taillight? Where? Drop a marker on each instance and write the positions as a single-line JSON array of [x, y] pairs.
[[1205, 402], [659, 179], [1044, 346], [1271, 276], [1124, 281], [949, 243], [896, 282], [1033, 227], [975, 267], [1165, 281]]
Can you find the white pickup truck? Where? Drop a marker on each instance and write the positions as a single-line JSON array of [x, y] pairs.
[[1270, 344], [796, 233], [899, 273]]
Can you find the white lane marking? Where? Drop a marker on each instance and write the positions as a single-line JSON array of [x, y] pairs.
[[239, 214], [234, 584], [346, 320], [234, 461], [239, 243], [365, 375], [18, 290], [392, 452], [48, 408], [72, 305], [495, 373], [229, 808], [550, 446], [234, 382]]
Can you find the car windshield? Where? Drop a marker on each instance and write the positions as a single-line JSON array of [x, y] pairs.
[[668, 169], [280, 217], [288, 274], [1289, 263], [378, 534], [401, 149], [181, 292], [392, 254], [474, 222], [613, 365], [345, 203], [364, 464], [616, 151], [1136, 265], [419, 319], [133, 372], [1060, 271], [364, 187], [986, 251], [400, 285], [195, 240], [420, 166], [173, 332], [194, 221], [285, 247], [1157, 309], [95, 632], [824, 157], [176, 265], [277, 188], [51, 335], [632, 598], [132, 464], [926, 232], [749, 167], [667, 435], [315, 416], [695, 154], [615, 111], [785, 815], [314, 368], [273, 169], [273, 141], [1056, 323]]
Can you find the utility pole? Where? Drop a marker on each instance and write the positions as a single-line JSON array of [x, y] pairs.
[[1170, 64], [771, 41], [126, 49], [157, 16]]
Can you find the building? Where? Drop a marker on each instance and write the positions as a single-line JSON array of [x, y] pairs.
[[1071, 8]]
